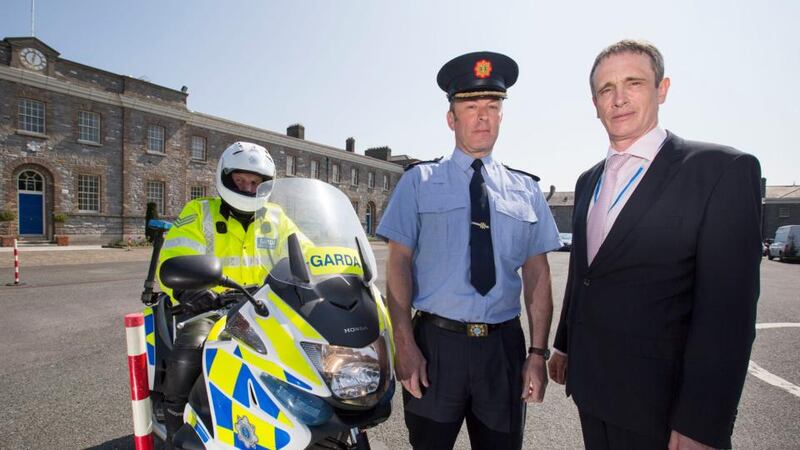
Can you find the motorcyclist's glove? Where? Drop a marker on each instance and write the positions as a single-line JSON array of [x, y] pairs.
[[196, 302]]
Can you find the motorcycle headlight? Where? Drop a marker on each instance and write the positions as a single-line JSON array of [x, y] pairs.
[[238, 327], [351, 373], [309, 409]]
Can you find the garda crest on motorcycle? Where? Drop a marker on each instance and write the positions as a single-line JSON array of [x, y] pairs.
[[301, 361]]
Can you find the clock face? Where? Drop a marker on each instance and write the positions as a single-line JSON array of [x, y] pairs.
[[32, 59]]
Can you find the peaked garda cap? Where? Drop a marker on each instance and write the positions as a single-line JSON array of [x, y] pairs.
[[478, 74]]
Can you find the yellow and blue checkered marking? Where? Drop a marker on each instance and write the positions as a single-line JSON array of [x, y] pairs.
[[150, 335], [229, 378]]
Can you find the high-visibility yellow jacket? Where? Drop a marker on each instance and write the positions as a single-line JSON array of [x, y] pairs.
[[203, 228]]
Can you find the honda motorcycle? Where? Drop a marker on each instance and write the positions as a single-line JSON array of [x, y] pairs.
[[304, 360]]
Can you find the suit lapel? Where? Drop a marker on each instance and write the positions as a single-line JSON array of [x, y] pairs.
[[581, 211], [661, 170]]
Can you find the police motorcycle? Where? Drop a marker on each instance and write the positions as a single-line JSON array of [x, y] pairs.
[[304, 360]]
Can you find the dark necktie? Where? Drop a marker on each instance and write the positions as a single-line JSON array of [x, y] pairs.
[[481, 253]]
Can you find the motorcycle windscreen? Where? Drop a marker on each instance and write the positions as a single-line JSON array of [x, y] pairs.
[[331, 238]]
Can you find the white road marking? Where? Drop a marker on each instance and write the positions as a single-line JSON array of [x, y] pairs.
[[764, 326], [759, 372]]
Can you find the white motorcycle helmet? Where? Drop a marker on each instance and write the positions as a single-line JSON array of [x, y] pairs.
[[243, 157]]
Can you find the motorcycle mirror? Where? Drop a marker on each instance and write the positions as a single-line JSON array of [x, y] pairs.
[[191, 272], [296, 261], [367, 270]]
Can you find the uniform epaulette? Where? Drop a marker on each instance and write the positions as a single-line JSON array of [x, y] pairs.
[[535, 178], [431, 161]]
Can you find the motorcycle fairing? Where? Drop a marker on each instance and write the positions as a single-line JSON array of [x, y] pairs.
[[236, 393], [191, 417], [150, 340]]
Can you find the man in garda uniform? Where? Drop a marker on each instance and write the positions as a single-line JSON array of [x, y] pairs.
[[459, 229], [222, 227]]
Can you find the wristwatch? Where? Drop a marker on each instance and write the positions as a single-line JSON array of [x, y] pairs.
[[543, 352]]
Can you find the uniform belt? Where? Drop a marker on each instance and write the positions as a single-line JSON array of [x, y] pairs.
[[472, 329]]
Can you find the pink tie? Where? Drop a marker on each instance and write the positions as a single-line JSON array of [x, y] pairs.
[[595, 225]]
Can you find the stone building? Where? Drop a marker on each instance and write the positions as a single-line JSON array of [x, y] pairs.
[[561, 205], [781, 207], [82, 151]]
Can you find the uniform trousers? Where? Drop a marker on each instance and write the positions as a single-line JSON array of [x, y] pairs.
[[183, 367], [474, 378], [601, 435]]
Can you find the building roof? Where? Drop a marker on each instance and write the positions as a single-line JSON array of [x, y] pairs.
[[783, 192], [562, 199]]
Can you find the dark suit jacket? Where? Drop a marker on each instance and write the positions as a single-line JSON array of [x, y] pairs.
[[658, 329]]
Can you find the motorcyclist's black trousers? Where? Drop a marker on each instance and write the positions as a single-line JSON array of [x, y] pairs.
[[183, 368]]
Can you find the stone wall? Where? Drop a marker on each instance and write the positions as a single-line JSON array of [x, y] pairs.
[[88, 76], [121, 159], [772, 216]]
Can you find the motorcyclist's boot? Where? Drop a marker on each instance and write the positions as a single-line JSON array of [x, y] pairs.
[[173, 415]]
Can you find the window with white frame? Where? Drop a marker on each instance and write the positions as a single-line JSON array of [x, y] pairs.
[[155, 194], [370, 180], [155, 139], [385, 182], [88, 193], [197, 192], [290, 165], [89, 127], [353, 176], [783, 213], [31, 116], [198, 148], [335, 173], [30, 181], [314, 169]]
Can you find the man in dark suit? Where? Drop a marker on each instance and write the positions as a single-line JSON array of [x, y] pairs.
[[660, 305]]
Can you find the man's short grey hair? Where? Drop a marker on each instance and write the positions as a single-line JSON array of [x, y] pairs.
[[631, 46]]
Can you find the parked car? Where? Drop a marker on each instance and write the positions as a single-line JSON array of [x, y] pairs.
[[566, 242], [786, 244]]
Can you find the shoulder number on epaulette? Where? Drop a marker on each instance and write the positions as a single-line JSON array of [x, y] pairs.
[[431, 161], [535, 178]]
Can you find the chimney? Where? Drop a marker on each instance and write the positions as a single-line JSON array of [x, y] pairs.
[[382, 153], [552, 191], [296, 131], [350, 145]]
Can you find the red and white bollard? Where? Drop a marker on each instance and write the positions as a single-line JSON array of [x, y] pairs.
[[16, 266], [140, 390]]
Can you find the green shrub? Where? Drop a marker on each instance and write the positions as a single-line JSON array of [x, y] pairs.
[[6, 215]]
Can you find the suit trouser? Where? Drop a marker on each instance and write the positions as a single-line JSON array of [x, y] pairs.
[[601, 435], [474, 378]]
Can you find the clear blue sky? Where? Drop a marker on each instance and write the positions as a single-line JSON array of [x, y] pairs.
[[367, 68]]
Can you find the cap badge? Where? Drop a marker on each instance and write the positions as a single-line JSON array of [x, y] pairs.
[[483, 68]]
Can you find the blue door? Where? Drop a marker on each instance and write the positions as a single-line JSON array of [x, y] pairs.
[[31, 213]]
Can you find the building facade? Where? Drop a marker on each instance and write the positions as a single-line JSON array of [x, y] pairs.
[[781, 207], [82, 152]]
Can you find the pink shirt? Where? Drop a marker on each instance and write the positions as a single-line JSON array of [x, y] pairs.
[[642, 152]]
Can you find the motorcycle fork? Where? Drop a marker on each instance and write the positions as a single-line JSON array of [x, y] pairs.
[[359, 439]]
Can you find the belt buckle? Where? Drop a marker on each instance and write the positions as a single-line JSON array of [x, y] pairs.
[[477, 330]]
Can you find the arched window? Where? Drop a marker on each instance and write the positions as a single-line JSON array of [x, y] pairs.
[[30, 180]]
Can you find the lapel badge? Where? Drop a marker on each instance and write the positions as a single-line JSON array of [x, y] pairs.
[[246, 432], [483, 68]]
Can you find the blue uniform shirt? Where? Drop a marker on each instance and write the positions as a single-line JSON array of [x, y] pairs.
[[429, 212]]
